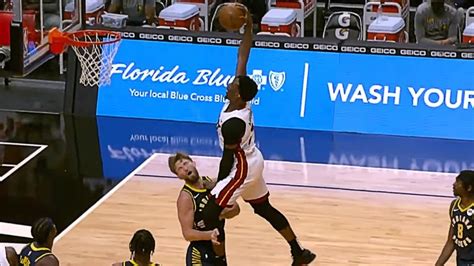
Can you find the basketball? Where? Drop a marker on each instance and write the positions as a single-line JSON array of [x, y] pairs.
[[231, 17]]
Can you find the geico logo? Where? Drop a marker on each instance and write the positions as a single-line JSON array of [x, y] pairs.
[[413, 52], [467, 55], [209, 40], [443, 54], [180, 38], [128, 34], [304, 46], [267, 44], [325, 47], [379, 50], [232, 42], [151, 36], [353, 49]]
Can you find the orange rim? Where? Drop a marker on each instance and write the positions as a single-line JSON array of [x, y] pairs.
[[66, 38], [82, 33]]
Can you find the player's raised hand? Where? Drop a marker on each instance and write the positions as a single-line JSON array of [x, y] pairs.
[[246, 15]]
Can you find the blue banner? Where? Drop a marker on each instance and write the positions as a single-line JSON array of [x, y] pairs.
[[309, 90], [125, 149]]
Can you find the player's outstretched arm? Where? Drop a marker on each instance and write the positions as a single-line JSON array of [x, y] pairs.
[[448, 248], [245, 45], [186, 219]]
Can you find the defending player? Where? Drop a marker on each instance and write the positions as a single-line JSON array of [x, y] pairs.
[[193, 198]]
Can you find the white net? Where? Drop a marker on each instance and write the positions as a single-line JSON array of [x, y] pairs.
[[96, 59]]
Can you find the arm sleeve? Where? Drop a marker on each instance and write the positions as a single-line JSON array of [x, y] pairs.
[[232, 131]]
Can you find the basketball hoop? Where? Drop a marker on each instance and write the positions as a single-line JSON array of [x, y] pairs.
[[95, 50]]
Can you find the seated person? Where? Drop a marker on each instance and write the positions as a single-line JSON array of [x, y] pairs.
[[139, 12], [436, 23]]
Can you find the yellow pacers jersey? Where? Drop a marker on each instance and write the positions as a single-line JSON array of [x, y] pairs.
[[462, 221], [133, 263], [200, 199], [31, 254]]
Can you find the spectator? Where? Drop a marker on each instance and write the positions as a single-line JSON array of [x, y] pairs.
[[139, 12], [436, 23]]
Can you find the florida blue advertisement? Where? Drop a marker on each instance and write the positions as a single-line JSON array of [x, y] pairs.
[[308, 90]]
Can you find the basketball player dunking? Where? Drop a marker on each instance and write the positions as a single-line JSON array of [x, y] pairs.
[[241, 165], [461, 214], [204, 249]]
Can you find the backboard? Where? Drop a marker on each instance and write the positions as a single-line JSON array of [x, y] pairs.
[[28, 23]]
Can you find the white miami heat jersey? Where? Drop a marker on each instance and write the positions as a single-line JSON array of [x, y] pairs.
[[248, 140]]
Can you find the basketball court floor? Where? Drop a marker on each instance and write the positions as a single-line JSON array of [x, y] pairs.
[[353, 199]]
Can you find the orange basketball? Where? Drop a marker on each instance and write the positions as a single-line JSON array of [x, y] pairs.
[[231, 17]]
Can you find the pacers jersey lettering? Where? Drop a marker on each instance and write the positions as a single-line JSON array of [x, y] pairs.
[[462, 221], [200, 199], [133, 263], [248, 140]]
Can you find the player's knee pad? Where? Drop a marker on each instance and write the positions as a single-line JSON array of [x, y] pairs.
[[272, 215]]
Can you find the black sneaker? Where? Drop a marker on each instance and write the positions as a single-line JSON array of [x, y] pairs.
[[304, 258]]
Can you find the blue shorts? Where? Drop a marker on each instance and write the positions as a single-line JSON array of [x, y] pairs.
[[200, 253]]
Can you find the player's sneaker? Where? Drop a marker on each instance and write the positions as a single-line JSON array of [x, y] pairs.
[[304, 258]]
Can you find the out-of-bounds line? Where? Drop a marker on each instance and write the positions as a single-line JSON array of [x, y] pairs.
[[333, 188]]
